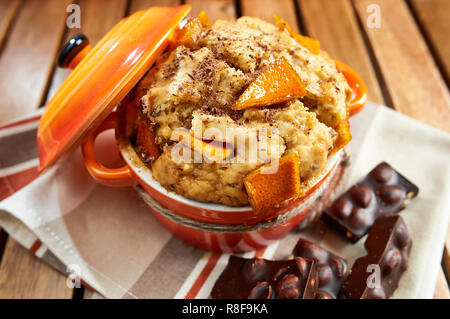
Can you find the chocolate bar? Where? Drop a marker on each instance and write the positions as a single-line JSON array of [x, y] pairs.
[[388, 245], [383, 191], [258, 278], [331, 269]]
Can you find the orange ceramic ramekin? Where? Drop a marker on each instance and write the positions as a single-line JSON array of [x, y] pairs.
[[209, 226], [212, 226], [81, 109]]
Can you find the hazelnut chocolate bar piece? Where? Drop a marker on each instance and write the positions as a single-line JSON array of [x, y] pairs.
[[331, 269], [258, 278], [383, 191], [388, 246]]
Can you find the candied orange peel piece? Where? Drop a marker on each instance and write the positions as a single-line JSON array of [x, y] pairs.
[[212, 150], [204, 19], [146, 138], [191, 31], [267, 190], [188, 35], [344, 135], [279, 83], [311, 44]]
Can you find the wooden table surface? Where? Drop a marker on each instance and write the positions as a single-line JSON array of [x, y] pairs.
[[405, 63]]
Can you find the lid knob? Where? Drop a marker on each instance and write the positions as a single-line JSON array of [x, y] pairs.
[[74, 51]]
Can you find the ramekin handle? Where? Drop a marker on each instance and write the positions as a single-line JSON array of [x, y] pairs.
[[117, 177]]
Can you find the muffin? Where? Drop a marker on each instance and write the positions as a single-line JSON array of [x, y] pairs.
[[207, 126]]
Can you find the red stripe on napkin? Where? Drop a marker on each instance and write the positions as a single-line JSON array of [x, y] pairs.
[[36, 245], [25, 121], [203, 276], [12, 183]]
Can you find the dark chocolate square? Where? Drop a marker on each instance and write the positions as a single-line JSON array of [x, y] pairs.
[[382, 192], [259, 278], [377, 275], [331, 269]]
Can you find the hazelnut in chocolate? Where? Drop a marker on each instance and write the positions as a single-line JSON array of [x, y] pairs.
[[383, 191], [388, 245], [258, 278], [331, 269]]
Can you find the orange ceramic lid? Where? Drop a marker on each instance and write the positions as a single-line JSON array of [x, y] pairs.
[[100, 81]]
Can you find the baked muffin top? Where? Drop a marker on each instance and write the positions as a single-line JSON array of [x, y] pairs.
[[194, 87]]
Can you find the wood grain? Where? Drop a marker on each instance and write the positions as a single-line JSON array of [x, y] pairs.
[[434, 16], [265, 9], [97, 18], [25, 67], [22, 275], [413, 81], [411, 75], [442, 290], [136, 5], [326, 20], [3, 239], [27, 58], [446, 257], [216, 9], [8, 10]]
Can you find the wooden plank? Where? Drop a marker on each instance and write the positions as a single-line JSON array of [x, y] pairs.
[[323, 19], [216, 9], [434, 17], [442, 290], [412, 79], [27, 57], [23, 275], [8, 10], [3, 239], [136, 5], [334, 23], [97, 18], [446, 257], [25, 66], [265, 9]]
